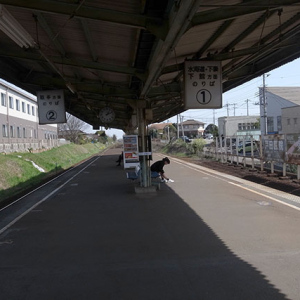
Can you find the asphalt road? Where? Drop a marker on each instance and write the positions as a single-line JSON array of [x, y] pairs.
[[206, 236]]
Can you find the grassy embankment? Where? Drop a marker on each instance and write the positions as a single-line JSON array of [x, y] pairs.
[[17, 172], [179, 148]]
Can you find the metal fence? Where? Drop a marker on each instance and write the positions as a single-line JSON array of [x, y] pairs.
[[270, 152]]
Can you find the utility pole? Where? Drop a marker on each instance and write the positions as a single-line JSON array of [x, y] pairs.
[[234, 104], [214, 117], [227, 105], [247, 101], [177, 127], [265, 105], [182, 129]]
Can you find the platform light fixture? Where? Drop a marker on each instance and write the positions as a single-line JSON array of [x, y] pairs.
[[11, 27]]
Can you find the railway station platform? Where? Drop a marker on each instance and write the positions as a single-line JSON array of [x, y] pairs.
[[205, 236]]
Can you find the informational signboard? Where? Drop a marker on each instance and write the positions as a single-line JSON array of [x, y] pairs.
[[130, 151], [51, 106], [202, 84], [283, 148], [274, 148], [293, 148]]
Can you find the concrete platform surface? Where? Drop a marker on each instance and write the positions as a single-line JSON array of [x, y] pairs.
[[201, 237]]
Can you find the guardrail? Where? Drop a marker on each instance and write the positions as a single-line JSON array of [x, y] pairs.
[[269, 153]]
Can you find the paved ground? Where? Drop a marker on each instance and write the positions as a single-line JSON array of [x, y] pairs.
[[205, 236], [288, 184]]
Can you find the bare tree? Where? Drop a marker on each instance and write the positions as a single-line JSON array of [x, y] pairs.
[[72, 130]]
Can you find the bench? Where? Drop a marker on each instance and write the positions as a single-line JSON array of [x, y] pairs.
[[133, 175]]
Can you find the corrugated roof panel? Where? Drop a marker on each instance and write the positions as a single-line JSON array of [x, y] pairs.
[[291, 93], [213, 4], [132, 48], [114, 44], [128, 6]]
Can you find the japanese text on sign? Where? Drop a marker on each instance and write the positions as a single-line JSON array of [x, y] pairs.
[[203, 84], [201, 75], [51, 107]]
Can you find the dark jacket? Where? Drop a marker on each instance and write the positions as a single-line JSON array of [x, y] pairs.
[[158, 166]]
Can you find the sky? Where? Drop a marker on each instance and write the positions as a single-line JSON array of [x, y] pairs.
[[237, 98]]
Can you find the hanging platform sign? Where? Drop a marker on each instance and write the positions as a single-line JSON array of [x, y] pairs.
[[51, 106], [202, 84]]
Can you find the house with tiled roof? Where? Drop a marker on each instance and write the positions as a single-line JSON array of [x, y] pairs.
[[159, 126], [160, 130], [192, 128]]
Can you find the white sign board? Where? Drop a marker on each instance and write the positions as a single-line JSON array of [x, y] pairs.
[[131, 151], [51, 107], [203, 84]]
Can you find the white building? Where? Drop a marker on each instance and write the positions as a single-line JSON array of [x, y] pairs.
[[20, 129], [290, 120], [239, 126], [274, 101]]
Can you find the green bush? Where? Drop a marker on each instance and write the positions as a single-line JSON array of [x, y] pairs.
[[197, 146]]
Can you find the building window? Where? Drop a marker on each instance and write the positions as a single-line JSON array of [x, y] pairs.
[[18, 104], [32, 111], [295, 121], [11, 102], [4, 130], [19, 132], [23, 107], [12, 131], [3, 99], [279, 126], [288, 121], [28, 109], [34, 132], [24, 132], [270, 124]]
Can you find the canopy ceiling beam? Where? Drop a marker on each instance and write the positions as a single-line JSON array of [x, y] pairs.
[[179, 20], [250, 71], [277, 33], [44, 80], [206, 46], [262, 52], [89, 39], [80, 63], [174, 87], [245, 8], [263, 18], [89, 12], [54, 39]]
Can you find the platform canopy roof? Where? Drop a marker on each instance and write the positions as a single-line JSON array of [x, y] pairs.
[[128, 53]]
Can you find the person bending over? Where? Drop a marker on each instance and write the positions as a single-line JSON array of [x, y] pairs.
[[158, 167]]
